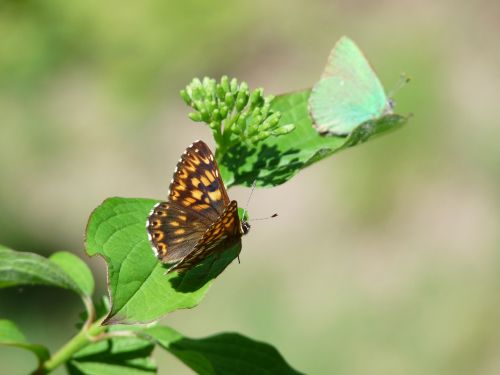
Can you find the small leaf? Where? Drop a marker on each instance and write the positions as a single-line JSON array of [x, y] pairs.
[[117, 356], [21, 268], [75, 268], [10, 335], [139, 290], [275, 160], [226, 353]]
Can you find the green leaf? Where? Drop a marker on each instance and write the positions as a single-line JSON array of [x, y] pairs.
[[117, 356], [226, 353], [277, 159], [139, 289], [76, 269], [21, 268], [10, 335]]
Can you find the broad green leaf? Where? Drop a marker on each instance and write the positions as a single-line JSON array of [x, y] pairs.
[[226, 353], [11, 335], [277, 159], [139, 289], [21, 268], [76, 269], [117, 356]]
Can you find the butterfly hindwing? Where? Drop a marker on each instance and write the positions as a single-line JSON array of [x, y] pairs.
[[175, 231], [222, 232]]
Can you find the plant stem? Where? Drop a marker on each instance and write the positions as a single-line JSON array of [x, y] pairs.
[[80, 340]]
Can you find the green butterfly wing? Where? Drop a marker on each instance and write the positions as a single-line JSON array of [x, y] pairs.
[[349, 92]]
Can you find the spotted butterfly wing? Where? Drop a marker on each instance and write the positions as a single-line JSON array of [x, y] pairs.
[[198, 218], [220, 235]]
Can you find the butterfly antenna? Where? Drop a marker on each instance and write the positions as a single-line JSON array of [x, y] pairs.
[[403, 80], [264, 218], [245, 210]]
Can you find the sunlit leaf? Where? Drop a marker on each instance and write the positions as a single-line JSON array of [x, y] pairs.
[[22, 268], [139, 289], [76, 269]]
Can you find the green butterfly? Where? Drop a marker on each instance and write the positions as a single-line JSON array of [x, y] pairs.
[[349, 92]]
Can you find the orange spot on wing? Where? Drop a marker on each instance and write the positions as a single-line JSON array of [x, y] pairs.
[[215, 195], [201, 207], [197, 194], [210, 176], [205, 181]]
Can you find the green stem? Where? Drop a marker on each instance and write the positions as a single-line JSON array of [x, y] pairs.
[[82, 339]]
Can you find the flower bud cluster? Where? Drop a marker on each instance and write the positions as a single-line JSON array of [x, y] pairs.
[[232, 111]]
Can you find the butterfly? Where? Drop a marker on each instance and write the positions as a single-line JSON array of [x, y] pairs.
[[198, 219], [349, 92]]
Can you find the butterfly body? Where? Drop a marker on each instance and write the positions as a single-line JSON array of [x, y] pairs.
[[198, 219], [349, 92]]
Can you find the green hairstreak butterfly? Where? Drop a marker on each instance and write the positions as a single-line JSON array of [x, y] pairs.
[[349, 92]]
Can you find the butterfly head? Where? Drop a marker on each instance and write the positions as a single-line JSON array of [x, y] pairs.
[[245, 227]]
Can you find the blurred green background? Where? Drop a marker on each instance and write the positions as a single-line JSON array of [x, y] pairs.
[[384, 259]]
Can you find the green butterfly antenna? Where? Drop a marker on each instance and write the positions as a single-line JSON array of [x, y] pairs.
[[402, 81]]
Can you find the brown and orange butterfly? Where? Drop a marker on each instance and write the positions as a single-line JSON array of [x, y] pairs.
[[198, 219]]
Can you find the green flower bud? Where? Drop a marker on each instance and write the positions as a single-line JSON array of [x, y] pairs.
[[256, 98], [229, 100], [210, 105], [185, 96], [233, 86], [223, 111], [285, 129], [214, 125], [266, 125], [198, 105], [244, 87], [219, 91], [205, 115], [260, 137], [271, 122], [195, 116], [266, 107], [224, 83], [216, 115], [241, 100], [241, 122], [256, 121]]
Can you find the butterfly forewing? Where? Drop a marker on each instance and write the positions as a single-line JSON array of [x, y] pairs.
[[198, 215], [175, 231], [197, 184]]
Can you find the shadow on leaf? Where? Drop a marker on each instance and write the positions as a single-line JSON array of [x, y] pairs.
[[207, 270], [264, 164]]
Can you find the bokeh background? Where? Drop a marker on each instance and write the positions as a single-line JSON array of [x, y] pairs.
[[384, 259]]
